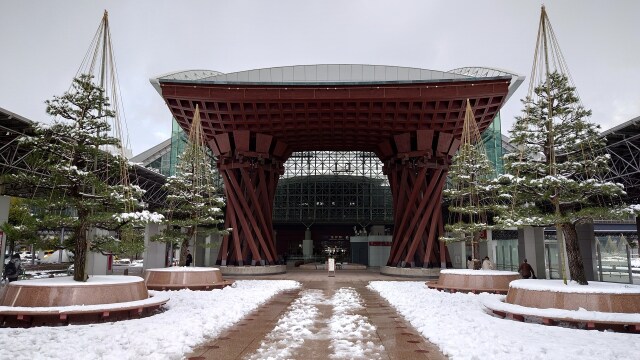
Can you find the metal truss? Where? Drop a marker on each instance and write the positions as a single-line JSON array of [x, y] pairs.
[[625, 165], [14, 155], [623, 145], [333, 187], [152, 183]]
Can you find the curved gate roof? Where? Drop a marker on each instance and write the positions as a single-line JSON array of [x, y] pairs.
[[334, 107]]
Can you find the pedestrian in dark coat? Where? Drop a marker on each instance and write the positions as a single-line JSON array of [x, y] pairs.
[[526, 271], [13, 268], [189, 259]]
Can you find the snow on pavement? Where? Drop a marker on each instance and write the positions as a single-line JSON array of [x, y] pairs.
[[292, 328], [458, 324], [351, 333], [303, 324], [191, 318]]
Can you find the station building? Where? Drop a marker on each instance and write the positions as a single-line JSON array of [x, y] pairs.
[[333, 197]]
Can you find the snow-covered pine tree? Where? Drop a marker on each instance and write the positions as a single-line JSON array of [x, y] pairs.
[[77, 192], [22, 226], [555, 178], [471, 190], [194, 205]]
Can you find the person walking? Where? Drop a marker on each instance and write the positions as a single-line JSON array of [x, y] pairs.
[[526, 271], [189, 259], [13, 268]]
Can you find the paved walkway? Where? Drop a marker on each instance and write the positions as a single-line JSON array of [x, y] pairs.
[[257, 336]]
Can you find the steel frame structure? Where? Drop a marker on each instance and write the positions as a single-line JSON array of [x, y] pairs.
[[14, 155], [413, 127], [623, 145], [333, 187]]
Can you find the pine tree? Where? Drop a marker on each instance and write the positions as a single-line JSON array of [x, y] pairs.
[[22, 226], [81, 191], [472, 195], [555, 178], [471, 189], [194, 205]]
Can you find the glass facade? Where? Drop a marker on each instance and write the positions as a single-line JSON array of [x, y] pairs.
[[335, 187], [178, 143], [614, 255], [166, 163], [506, 249], [162, 164], [492, 138]]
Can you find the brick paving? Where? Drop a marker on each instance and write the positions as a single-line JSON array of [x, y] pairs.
[[399, 338]]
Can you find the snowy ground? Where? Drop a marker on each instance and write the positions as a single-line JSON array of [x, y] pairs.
[[459, 325], [313, 320], [191, 317]]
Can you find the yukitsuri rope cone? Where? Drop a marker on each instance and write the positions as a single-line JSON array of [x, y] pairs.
[[472, 199], [83, 299], [193, 177], [560, 167]]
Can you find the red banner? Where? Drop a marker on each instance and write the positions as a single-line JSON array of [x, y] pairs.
[[379, 243]]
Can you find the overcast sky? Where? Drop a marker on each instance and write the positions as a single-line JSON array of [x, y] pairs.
[[42, 44]]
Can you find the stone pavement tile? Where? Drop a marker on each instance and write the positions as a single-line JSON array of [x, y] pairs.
[[224, 350]]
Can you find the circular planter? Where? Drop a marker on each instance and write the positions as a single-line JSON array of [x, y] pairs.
[[597, 296], [63, 291], [597, 306], [252, 270], [494, 281], [62, 300], [193, 278], [415, 272]]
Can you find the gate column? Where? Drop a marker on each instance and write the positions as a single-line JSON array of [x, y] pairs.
[[250, 164], [416, 164]]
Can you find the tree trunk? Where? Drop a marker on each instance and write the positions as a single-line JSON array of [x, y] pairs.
[[12, 249], [475, 245], [576, 265], [185, 246], [80, 254]]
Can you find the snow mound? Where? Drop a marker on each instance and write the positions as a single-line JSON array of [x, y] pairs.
[[477, 272], [567, 315], [184, 269], [594, 287], [190, 319], [88, 308], [91, 281], [460, 326]]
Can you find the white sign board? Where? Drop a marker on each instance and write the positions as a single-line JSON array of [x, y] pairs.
[[331, 266]]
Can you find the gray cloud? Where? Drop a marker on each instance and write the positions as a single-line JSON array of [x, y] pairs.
[[43, 43]]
